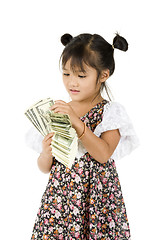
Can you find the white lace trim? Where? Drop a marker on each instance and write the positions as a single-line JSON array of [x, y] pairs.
[[114, 117]]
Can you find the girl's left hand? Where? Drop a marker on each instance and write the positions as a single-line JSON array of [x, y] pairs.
[[64, 108]]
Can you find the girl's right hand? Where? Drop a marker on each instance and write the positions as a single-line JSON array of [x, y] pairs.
[[46, 148]]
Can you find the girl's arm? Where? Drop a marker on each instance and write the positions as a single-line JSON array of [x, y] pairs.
[[101, 149], [45, 162], [45, 159]]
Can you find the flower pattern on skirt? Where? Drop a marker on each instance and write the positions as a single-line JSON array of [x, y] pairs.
[[84, 202]]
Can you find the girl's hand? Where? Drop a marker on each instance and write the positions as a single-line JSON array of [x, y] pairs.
[[46, 145], [64, 108]]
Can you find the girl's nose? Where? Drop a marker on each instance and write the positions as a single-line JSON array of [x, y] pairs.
[[73, 81]]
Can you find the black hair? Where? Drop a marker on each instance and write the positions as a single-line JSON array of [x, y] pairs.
[[93, 50]]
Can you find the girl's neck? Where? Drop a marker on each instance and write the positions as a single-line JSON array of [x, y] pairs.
[[84, 105]]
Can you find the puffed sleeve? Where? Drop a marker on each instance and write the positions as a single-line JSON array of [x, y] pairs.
[[116, 117], [33, 139]]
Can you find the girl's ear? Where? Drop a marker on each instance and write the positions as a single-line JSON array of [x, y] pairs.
[[104, 75]]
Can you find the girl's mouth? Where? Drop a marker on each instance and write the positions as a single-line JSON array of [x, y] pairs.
[[74, 91]]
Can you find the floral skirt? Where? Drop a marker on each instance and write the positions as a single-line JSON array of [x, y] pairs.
[[85, 202]]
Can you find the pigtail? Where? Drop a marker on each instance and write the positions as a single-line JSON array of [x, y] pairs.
[[66, 38], [120, 43]]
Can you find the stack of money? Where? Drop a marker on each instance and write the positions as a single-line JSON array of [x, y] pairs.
[[64, 142]]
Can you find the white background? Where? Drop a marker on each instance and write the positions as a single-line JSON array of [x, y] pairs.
[[30, 48]]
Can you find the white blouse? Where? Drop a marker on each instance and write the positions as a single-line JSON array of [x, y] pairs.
[[114, 117]]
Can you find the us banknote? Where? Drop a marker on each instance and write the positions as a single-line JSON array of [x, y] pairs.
[[64, 142]]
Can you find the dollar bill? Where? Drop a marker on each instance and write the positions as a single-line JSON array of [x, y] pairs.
[[65, 141]]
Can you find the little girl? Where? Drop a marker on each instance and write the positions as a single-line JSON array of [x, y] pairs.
[[86, 201]]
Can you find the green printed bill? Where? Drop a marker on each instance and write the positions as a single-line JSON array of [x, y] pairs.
[[64, 141]]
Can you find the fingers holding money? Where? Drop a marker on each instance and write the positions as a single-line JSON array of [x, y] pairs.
[[46, 143], [60, 107], [48, 136]]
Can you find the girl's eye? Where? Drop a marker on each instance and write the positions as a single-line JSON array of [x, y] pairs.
[[81, 76], [66, 74]]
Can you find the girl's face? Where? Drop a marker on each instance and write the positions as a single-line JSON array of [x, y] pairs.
[[83, 83]]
